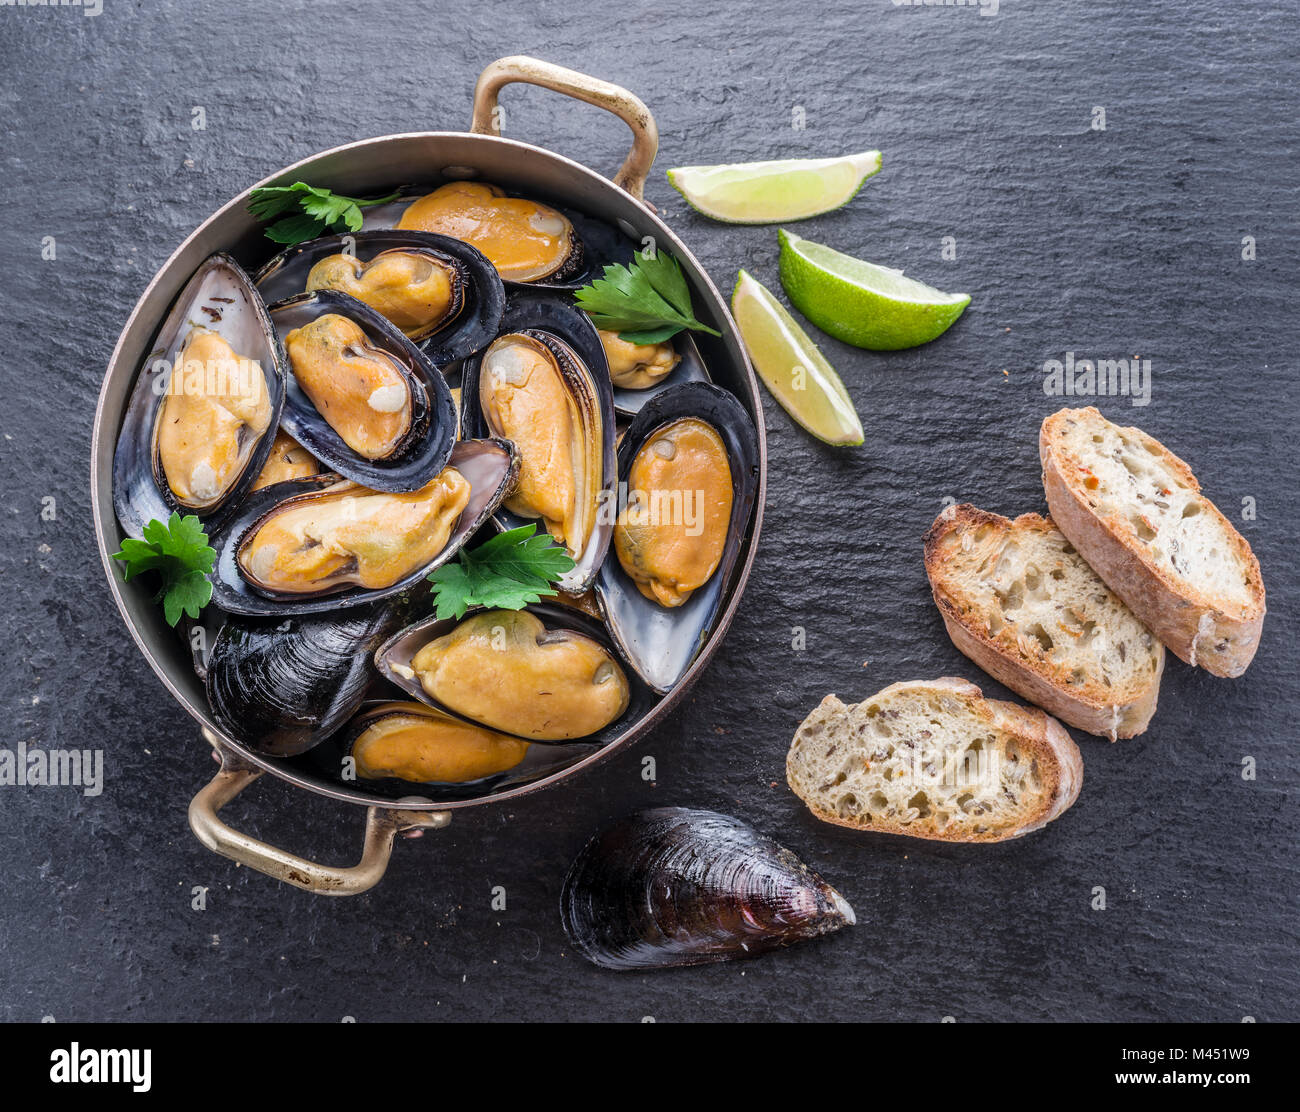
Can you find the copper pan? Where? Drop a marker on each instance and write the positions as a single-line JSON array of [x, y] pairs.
[[359, 169]]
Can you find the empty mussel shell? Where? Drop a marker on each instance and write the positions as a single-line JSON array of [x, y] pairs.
[[543, 324], [546, 673], [392, 271], [389, 420], [660, 641], [282, 686], [204, 410], [488, 466], [527, 238], [673, 886]]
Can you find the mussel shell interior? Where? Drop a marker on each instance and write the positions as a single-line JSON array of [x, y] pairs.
[[433, 418], [219, 297], [540, 310], [473, 328], [602, 243], [489, 465], [629, 403], [401, 648], [660, 643]]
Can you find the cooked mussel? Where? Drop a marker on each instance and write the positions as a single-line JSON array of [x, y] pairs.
[[689, 466], [288, 460], [328, 540], [671, 533], [544, 674], [545, 389], [673, 886], [324, 543], [414, 742], [361, 397], [199, 423], [282, 686], [525, 240], [635, 366], [440, 292]]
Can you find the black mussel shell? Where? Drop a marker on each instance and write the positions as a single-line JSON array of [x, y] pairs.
[[662, 643], [402, 647], [490, 466], [283, 686], [482, 298], [541, 314], [428, 443], [219, 297], [673, 886]]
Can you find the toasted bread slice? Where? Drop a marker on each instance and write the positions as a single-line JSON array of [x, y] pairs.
[[934, 759], [1135, 512], [1020, 602]]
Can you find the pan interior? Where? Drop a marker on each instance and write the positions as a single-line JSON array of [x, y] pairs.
[[367, 168]]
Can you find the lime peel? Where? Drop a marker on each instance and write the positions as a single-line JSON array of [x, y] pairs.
[[863, 303]]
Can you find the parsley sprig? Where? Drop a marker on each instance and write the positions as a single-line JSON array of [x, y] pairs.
[[508, 572], [178, 550], [311, 211], [645, 303]]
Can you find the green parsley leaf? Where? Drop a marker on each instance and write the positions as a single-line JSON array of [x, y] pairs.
[[178, 551], [645, 303], [510, 571], [308, 210]]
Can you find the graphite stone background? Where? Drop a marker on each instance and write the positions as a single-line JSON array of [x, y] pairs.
[[1111, 243]]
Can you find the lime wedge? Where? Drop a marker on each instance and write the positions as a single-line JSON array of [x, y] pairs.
[[863, 304], [769, 192], [790, 365]]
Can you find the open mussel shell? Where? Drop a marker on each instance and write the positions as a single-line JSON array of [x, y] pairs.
[[538, 761], [394, 657], [661, 643], [478, 304], [673, 886], [427, 444], [490, 466], [596, 243], [220, 298], [547, 316], [283, 685], [690, 368]]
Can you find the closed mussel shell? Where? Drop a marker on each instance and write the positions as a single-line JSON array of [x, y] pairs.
[[476, 296], [203, 412], [674, 886], [662, 642], [527, 697], [283, 685], [337, 326], [548, 318], [489, 467]]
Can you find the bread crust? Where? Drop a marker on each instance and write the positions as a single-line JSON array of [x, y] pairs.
[[1197, 627], [1041, 736], [1083, 707]]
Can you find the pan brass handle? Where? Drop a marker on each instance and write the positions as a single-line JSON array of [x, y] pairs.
[[382, 825], [533, 71]]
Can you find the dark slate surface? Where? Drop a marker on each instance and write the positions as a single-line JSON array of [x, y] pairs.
[[1107, 243]]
